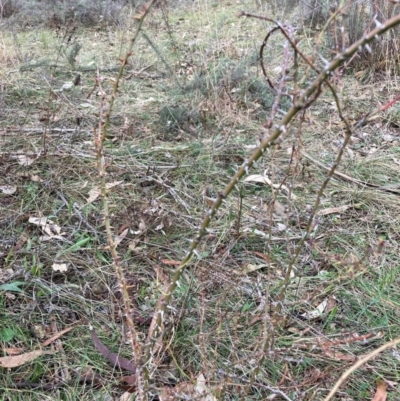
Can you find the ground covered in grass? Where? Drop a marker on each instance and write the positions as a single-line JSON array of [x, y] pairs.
[[189, 111]]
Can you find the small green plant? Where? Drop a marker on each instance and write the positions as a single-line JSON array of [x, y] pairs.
[[6, 334]]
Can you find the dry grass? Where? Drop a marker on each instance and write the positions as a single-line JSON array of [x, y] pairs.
[[188, 113]]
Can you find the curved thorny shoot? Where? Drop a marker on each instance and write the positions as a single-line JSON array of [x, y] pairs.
[[302, 102], [143, 353], [100, 136]]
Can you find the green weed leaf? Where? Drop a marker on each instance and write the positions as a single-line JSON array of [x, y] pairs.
[[78, 245], [6, 334], [13, 287]]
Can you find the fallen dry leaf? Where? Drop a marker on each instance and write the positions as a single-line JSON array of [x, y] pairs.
[[170, 262], [359, 74], [51, 229], [264, 179], [249, 268], [14, 351], [171, 393], [198, 391], [160, 227], [317, 312], [125, 396], [132, 380], [36, 178], [161, 276], [120, 237], [142, 228], [338, 356], [380, 394], [280, 209], [60, 267], [24, 160], [133, 244], [339, 209], [18, 360], [96, 192], [130, 385], [93, 195], [56, 336], [281, 227], [255, 178], [201, 391], [262, 256], [21, 241], [8, 189]]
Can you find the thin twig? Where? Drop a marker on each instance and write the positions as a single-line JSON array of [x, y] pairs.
[[349, 178], [78, 212], [255, 384], [358, 364]]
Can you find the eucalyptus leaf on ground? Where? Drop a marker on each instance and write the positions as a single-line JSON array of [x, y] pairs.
[[18, 360], [381, 393]]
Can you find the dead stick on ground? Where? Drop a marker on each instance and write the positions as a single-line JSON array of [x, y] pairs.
[[358, 364], [350, 179]]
